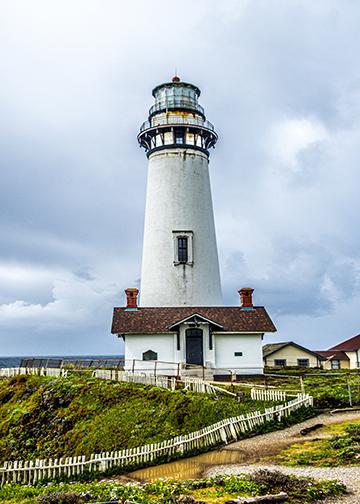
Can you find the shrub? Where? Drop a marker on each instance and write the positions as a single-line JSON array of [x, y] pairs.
[[61, 498]]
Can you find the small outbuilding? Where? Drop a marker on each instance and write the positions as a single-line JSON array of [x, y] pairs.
[[223, 339], [351, 348], [334, 359], [288, 353]]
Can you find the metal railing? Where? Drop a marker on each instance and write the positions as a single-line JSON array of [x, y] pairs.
[[175, 120], [171, 103]]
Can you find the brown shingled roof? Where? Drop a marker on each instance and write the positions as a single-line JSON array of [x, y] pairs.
[[350, 345], [271, 348], [159, 320], [332, 354]]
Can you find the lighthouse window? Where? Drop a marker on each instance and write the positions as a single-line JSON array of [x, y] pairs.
[[182, 249], [179, 137]]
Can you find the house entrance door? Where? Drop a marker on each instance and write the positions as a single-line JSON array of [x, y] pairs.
[[194, 346]]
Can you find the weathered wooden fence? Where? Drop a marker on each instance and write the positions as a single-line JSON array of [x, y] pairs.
[[189, 383], [143, 378], [9, 372], [268, 395], [223, 432]]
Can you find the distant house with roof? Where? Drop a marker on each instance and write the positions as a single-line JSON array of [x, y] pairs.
[[334, 359], [351, 348], [288, 353]]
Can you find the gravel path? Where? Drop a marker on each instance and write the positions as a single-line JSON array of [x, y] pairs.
[[258, 447], [273, 442]]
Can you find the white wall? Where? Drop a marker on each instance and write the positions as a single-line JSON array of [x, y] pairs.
[[249, 344], [179, 199], [353, 359], [163, 344], [291, 354]]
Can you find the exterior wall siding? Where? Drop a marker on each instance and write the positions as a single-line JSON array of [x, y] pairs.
[[353, 359], [291, 355], [179, 199], [162, 344], [221, 357], [344, 364], [250, 345]]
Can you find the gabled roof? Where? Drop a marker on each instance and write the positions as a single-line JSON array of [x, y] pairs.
[[271, 348], [163, 319], [332, 354], [194, 318], [350, 345]]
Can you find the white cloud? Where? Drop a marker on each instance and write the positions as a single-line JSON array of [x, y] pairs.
[[74, 301], [288, 138]]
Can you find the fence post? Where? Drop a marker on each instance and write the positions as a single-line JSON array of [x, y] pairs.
[[349, 392], [302, 387]]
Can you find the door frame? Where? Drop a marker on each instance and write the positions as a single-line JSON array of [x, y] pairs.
[[188, 338]]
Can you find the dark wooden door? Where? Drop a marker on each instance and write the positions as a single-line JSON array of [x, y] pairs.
[[194, 346]]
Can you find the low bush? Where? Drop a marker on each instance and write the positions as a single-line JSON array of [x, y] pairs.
[[217, 489]]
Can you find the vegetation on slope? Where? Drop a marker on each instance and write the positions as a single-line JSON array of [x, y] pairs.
[[330, 389], [42, 417], [342, 448], [212, 490]]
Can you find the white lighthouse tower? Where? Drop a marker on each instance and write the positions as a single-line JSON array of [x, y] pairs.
[[180, 262], [180, 325]]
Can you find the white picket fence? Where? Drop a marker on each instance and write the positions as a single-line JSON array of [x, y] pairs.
[[223, 432], [10, 372], [143, 378], [268, 395]]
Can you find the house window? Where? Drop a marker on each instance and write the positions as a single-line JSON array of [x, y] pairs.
[[335, 364], [238, 354], [149, 355], [182, 244], [303, 362], [183, 247], [280, 362]]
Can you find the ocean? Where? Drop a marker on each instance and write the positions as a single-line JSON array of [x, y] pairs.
[[15, 361]]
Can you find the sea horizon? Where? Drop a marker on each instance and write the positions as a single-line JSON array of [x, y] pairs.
[[15, 360]]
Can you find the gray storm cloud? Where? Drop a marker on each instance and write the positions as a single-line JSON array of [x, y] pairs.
[[280, 80]]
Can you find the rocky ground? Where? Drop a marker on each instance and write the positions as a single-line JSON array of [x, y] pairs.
[[255, 449]]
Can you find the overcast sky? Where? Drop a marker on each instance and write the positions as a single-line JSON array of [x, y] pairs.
[[280, 80]]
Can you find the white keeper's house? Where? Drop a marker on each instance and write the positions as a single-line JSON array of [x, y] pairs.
[[180, 319]]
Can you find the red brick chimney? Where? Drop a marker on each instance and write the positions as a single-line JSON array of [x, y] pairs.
[[131, 297], [246, 297]]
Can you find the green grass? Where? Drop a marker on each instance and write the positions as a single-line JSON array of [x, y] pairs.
[[330, 389], [212, 490], [53, 417], [341, 449]]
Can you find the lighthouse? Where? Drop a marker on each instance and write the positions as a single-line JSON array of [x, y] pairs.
[[180, 264], [180, 324]]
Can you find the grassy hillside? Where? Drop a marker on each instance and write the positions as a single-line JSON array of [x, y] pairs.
[[330, 389], [341, 448], [52, 417]]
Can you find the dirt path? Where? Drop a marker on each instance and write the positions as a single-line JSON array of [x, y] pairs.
[[272, 443], [258, 447], [244, 455]]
